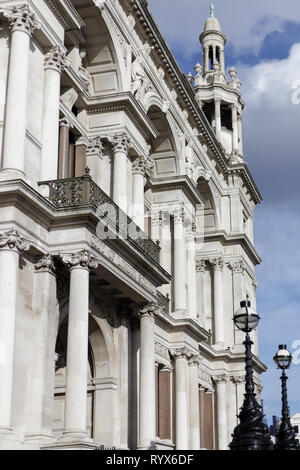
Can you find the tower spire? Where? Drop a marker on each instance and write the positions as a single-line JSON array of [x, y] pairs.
[[212, 10]]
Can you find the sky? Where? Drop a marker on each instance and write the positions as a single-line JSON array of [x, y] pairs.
[[263, 44]]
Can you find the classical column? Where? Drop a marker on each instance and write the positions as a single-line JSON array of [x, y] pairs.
[[206, 55], [221, 412], [147, 405], [22, 23], [209, 420], [138, 175], [181, 357], [218, 118], [200, 286], [202, 417], [235, 144], [120, 145], [179, 260], [194, 403], [240, 132], [54, 63], [222, 61], [191, 273], [218, 265], [238, 268], [77, 346], [94, 160], [164, 403], [64, 141], [44, 333], [232, 406], [81, 145], [11, 245]]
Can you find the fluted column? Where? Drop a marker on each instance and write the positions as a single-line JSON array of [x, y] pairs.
[[181, 356], [179, 260], [194, 408], [221, 412], [218, 119], [237, 268], [55, 61], [138, 175], [147, 405], [200, 286], [120, 145], [22, 24], [235, 144], [218, 265], [191, 273], [11, 245], [44, 333], [64, 141], [77, 347]]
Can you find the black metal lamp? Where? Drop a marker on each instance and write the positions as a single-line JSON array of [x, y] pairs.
[[286, 437], [251, 433]]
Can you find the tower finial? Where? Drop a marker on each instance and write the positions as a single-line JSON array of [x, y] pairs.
[[212, 10]]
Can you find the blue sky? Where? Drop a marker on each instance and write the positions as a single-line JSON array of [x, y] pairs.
[[263, 43]]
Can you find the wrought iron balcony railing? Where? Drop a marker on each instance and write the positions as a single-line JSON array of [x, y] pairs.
[[82, 192]]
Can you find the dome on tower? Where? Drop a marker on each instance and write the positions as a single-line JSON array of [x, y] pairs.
[[212, 24]]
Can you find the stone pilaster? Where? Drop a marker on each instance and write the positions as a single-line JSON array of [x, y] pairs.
[[179, 260], [194, 408], [219, 333], [220, 382]]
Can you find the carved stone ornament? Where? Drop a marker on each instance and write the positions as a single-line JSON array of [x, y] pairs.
[[45, 264], [148, 310], [139, 166], [12, 240], [237, 266], [83, 259], [217, 264], [179, 214], [182, 353], [162, 350], [55, 59], [100, 4], [95, 147], [195, 360], [238, 379], [220, 379], [69, 98], [121, 142], [201, 265], [22, 18]]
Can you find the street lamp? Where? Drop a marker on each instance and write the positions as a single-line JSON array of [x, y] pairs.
[[286, 438], [251, 433]]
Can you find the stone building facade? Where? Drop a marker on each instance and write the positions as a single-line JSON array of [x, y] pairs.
[[126, 239]]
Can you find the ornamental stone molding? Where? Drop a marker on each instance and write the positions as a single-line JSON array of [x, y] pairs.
[[45, 264], [65, 122], [94, 147], [182, 353], [121, 142], [150, 309], [205, 379], [139, 166], [201, 265], [237, 379], [55, 59], [217, 264], [156, 217], [162, 350], [220, 379], [179, 214], [195, 360], [237, 266], [83, 259], [12, 240], [22, 18]]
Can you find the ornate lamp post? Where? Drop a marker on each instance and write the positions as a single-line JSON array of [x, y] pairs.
[[286, 438], [251, 433]]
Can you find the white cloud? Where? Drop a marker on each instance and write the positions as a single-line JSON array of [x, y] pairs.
[[245, 24]]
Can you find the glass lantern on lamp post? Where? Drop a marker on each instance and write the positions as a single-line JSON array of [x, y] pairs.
[[251, 433], [286, 438]]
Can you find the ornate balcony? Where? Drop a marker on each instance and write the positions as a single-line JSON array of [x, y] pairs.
[[83, 192]]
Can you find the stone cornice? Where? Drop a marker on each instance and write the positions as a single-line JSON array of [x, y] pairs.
[[235, 239], [183, 183]]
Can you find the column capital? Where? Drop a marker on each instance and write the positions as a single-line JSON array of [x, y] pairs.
[[179, 214], [55, 59], [237, 266], [218, 100], [65, 122], [13, 241], [45, 264], [220, 379], [166, 368], [150, 309], [201, 265], [139, 166], [121, 142], [94, 147], [195, 360], [22, 18], [217, 264], [237, 379], [181, 353], [83, 259], [156, 217]]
